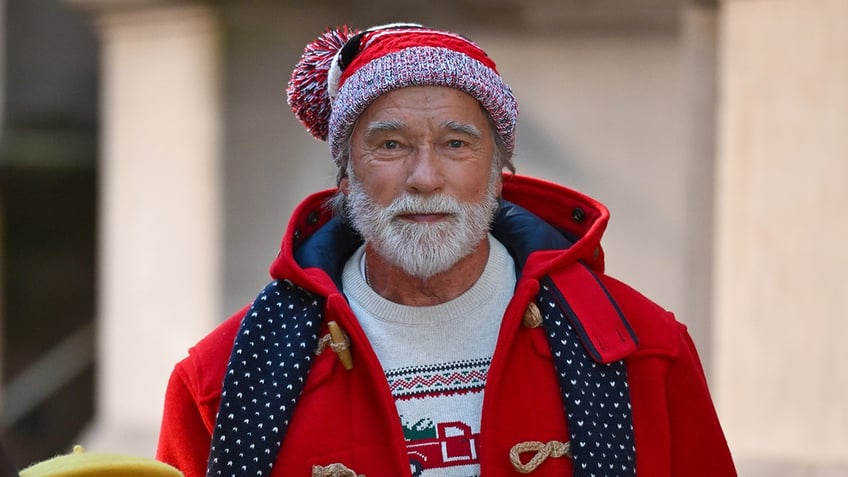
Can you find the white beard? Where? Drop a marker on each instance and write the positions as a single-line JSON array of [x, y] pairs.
[[422, 249]]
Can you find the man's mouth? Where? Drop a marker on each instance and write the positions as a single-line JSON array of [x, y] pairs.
[[424, 217]]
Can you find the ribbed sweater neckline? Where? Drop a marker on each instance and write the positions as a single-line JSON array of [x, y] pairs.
[[478, 295]]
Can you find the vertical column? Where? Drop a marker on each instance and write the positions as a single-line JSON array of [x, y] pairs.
[[2, 206], [160, 209], [2, 295], [699, 21], [782, 230], [3, 29]]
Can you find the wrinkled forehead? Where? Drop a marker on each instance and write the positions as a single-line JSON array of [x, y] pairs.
[[426, 102]]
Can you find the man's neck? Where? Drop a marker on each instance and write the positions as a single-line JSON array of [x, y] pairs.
[[394, 284]]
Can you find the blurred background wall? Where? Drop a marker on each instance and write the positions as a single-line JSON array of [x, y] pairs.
[[149, 163], [48, 209]]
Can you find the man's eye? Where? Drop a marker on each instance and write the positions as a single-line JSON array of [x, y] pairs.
[[391, 145], [455, 143]]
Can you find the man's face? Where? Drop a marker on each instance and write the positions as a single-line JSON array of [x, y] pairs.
[[422, 186]]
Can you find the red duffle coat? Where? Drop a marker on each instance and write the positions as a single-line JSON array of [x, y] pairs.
[[349, 417]]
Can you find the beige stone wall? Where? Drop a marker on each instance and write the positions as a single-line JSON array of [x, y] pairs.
[[160, 211], [781, 299]]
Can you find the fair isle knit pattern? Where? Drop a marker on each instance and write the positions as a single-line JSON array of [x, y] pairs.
[[445, 378], [439, 408]]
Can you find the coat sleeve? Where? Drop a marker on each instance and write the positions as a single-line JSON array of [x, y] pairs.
[[184, 438], [698, 444], [192, 399]]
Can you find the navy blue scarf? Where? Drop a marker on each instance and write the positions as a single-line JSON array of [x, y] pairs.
[[265, 376], [596, 396]]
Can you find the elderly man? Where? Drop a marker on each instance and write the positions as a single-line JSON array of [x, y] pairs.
[[431, 316]]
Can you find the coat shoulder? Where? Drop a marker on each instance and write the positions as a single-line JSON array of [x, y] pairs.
[[206, 363], [656, 328]]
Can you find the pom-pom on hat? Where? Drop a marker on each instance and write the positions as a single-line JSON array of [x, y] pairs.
[[343, 71]]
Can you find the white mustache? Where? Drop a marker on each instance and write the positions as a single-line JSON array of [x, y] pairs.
[[411, 205]]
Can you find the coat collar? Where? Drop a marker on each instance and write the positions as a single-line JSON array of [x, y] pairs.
[[543, 225]]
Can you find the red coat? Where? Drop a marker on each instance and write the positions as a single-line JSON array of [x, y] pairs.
[[349, 416]]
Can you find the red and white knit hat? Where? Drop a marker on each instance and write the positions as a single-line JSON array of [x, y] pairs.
[[343, 71]]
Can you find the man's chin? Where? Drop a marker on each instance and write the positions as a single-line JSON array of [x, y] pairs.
[[427, 266]]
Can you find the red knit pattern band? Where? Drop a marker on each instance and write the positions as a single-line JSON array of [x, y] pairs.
[[382, 42]]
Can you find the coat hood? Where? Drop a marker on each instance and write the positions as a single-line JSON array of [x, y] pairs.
[[545, 226]]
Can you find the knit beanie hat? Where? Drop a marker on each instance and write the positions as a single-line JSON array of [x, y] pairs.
[[344, 70]]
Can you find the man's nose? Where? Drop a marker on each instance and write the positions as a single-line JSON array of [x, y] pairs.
[[425, 174]]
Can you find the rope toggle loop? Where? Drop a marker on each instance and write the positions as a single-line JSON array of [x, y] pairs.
[[339, 342], [542, 450]]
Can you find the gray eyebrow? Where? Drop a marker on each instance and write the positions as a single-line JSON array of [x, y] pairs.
[[464, 128], [384, 126], [377, 127]]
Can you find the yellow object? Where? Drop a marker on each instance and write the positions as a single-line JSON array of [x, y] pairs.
[[91, 464]]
